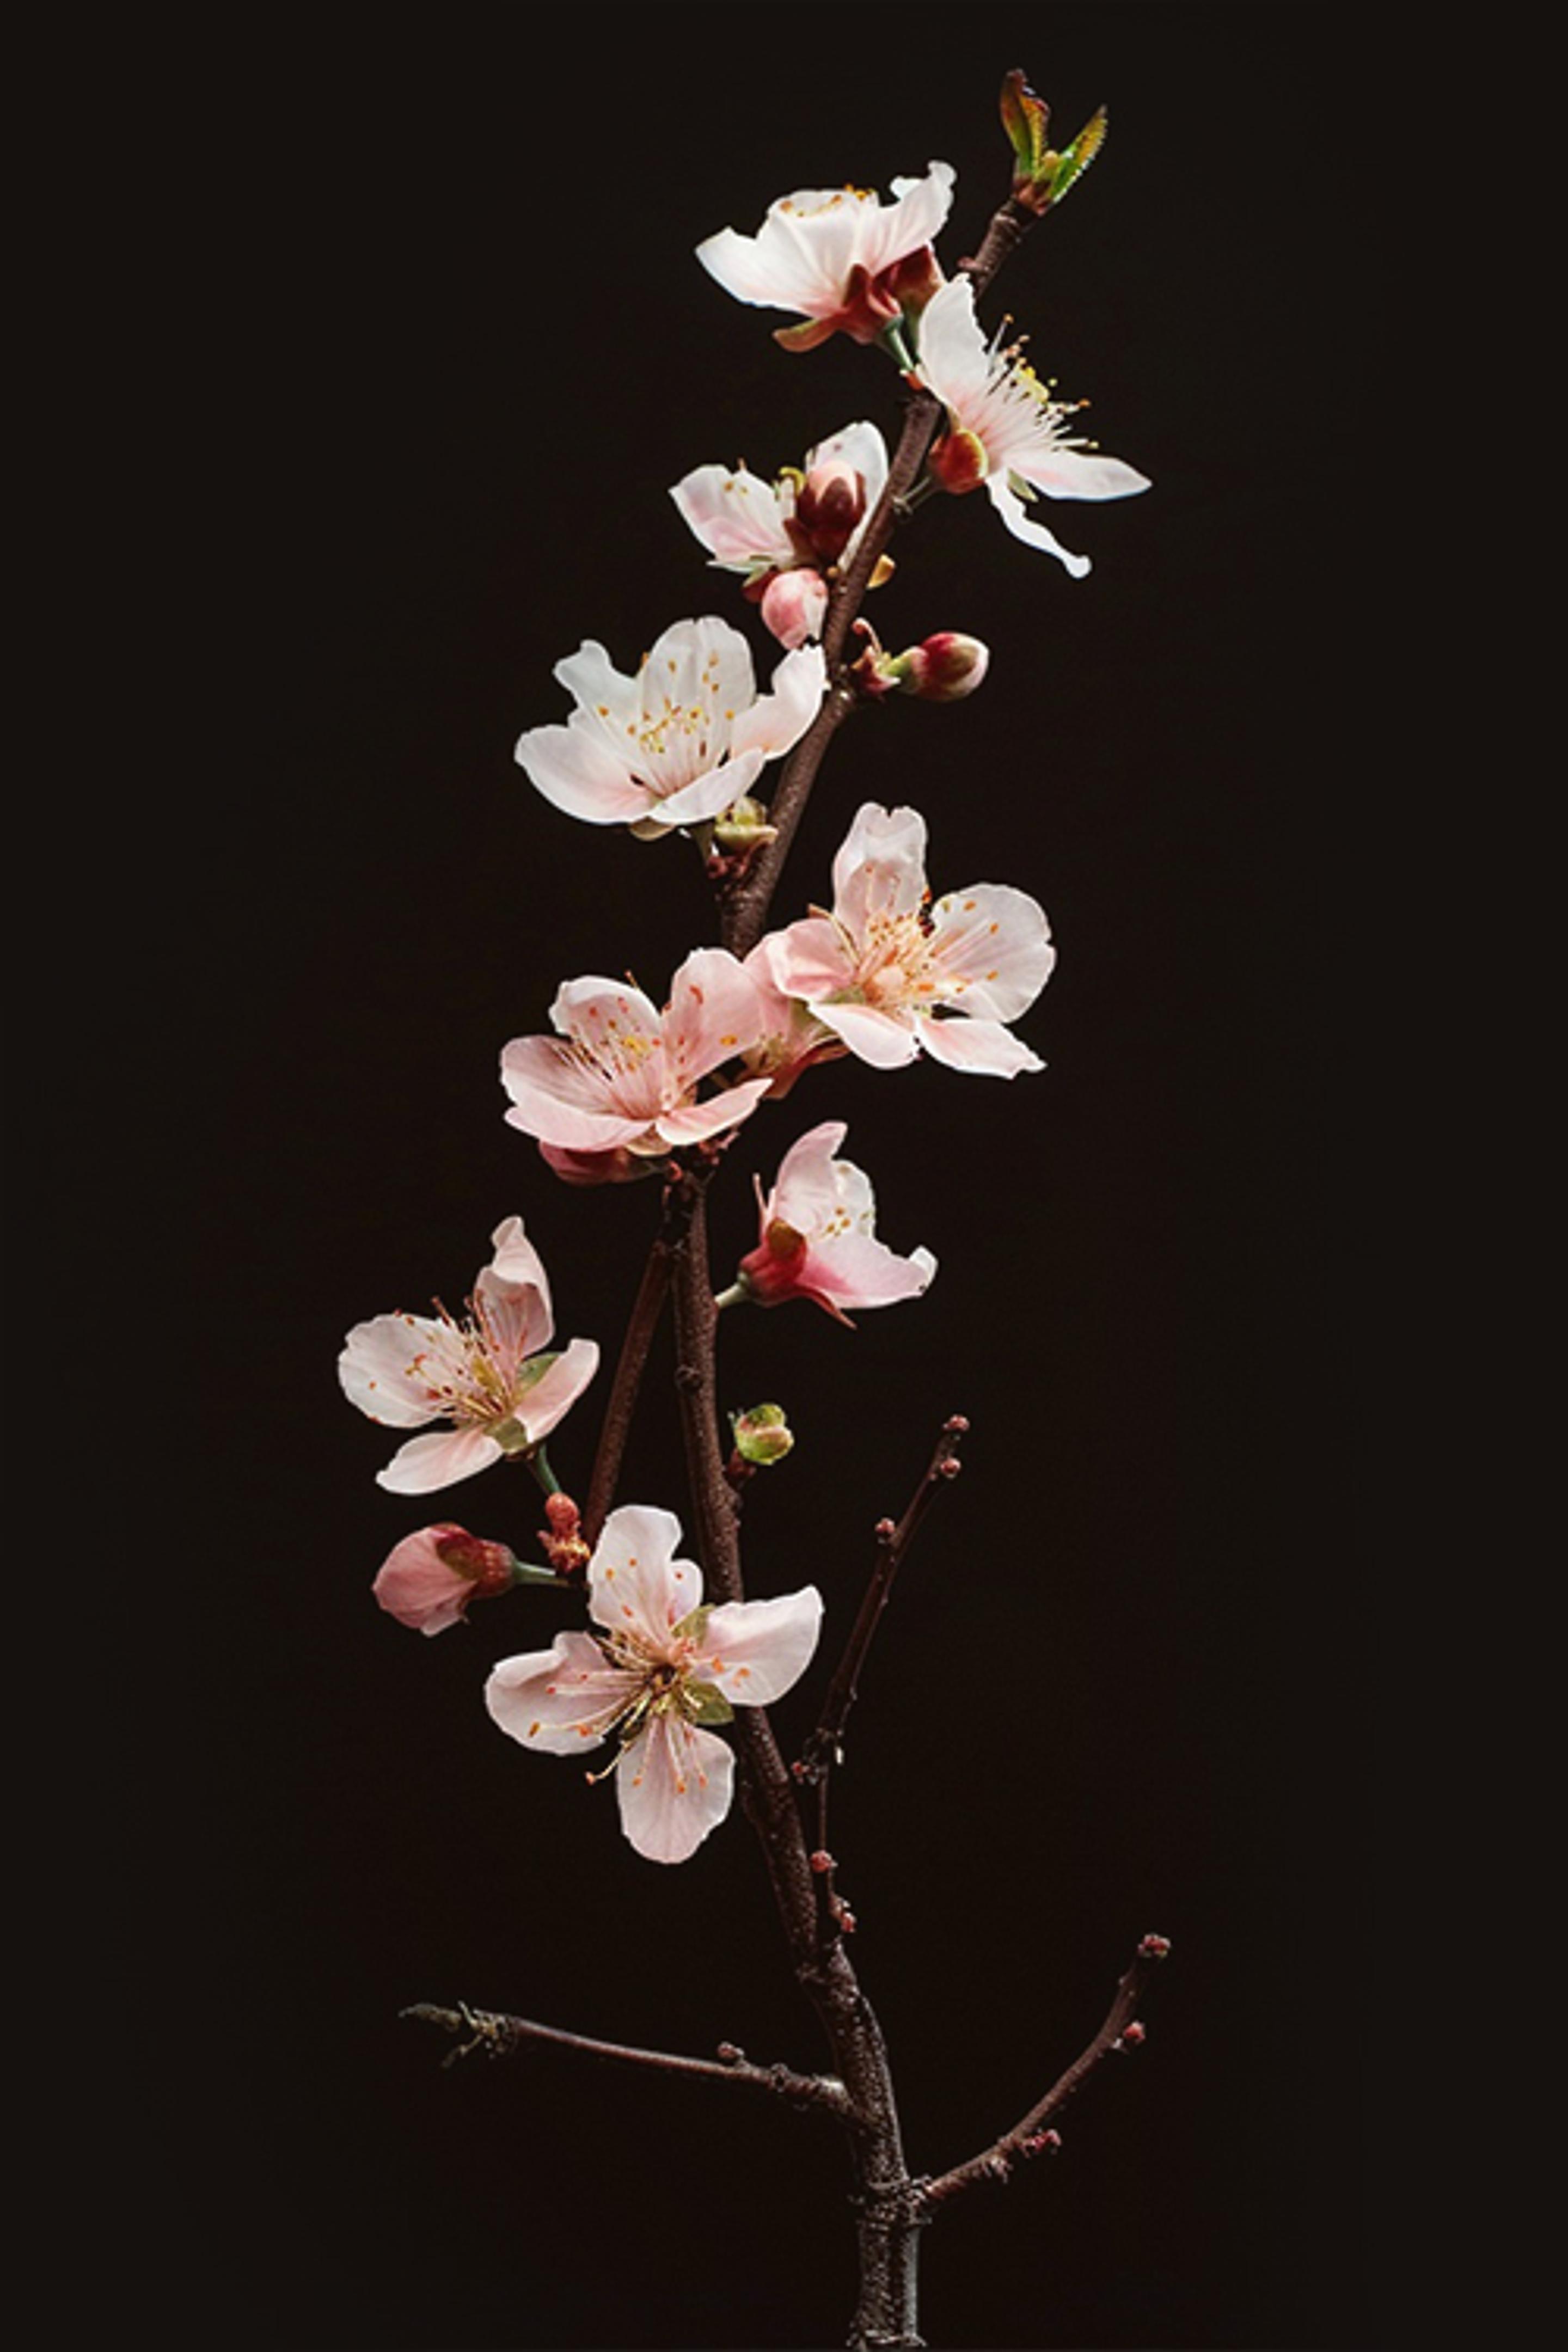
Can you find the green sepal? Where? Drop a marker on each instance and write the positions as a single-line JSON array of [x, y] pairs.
[[706, 1703], [524, 1572], [693, 1622]]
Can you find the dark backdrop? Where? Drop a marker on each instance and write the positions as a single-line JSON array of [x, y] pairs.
[[418, 342]]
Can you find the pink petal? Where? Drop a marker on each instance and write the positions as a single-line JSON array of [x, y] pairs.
[[714, 1014], [515, 1259], [552, 1398], [736, 516], [425, 1464], [993, 945], [875, 1037], [805, 961], [695, 1122], [563, 1699], [805, 1190], [880, 868], [856, 1270], [983, 1047], [418, 1587], [674, 1783], [577, 772], [636, 1583], [756, 1650], [547, 1085], [386, 1368]]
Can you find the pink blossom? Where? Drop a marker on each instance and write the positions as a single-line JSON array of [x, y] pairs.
[[621, 1075], [836, 256], [488, 1375], [429, 1579], [893, 976], [817, 1239], [1004, 428], [780, 536], [677, 743], [661, 1668]]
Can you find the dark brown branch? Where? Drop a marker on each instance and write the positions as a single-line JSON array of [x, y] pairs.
[[893, 1541], [500, 2036], [643, 1322], [1030, 2136]]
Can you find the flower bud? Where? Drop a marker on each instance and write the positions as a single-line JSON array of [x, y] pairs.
[[958, 461], [428, 1580], [794, 606], [942, 668], [763, 1434], [830, 503], [743, 826]]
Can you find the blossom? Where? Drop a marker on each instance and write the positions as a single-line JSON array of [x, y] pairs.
[[835, 255], [751, 525], [1005, 430], [488, 1375], [429, 1579], [621, 1074], [662, 1667], [883, 969], [817, 1237], [676, 744]]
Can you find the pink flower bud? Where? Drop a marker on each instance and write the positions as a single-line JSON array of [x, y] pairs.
[[794, 607], [942, 669], [428, 1580], [1154, 1948], [1130, 2036], [832, 501]]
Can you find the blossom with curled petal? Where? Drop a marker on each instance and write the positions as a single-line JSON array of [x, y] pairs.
[[622, 1074], [893, 976], [818, 1236], [1005, 430], [834, 254], [778, 534], [662, 1669], [431, 1578], [489, 1375], [677, 743]]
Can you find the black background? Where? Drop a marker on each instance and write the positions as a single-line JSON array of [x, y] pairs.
[[413, 343]]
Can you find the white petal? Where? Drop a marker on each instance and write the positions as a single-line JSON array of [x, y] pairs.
[[1011, 509], [384, 1369], [953, 354], [880, 868], [562, 1699], [551, 1399], [874, 1037], [756, 1650], [993, 945], [736, 516], [425, 1464], [775, 721], [983, 1047], [636, 1583], [1076, 473], [577, 772], [674, 1783], [806, 1190], [709, 794]]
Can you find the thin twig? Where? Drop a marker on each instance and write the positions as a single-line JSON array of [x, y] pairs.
[[893, 1541], [500, 2036], [1121, 2030], [642, 1323]]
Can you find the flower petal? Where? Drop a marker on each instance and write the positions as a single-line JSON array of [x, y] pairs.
[[737, 517], [709, 794], [880, 868], [992, 944], [756, 1650], [552, 1398], [1011, 509], [714, 1013], [875, 1037], [394, 1369], [547, 1087], [694, 1122], [1076, 473], [562, 1699], [636, 1583], [440, 1460], [576, 772], [777, 720], [856, 1270], [983, 1047], [805, 1190], [675, 1784]]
